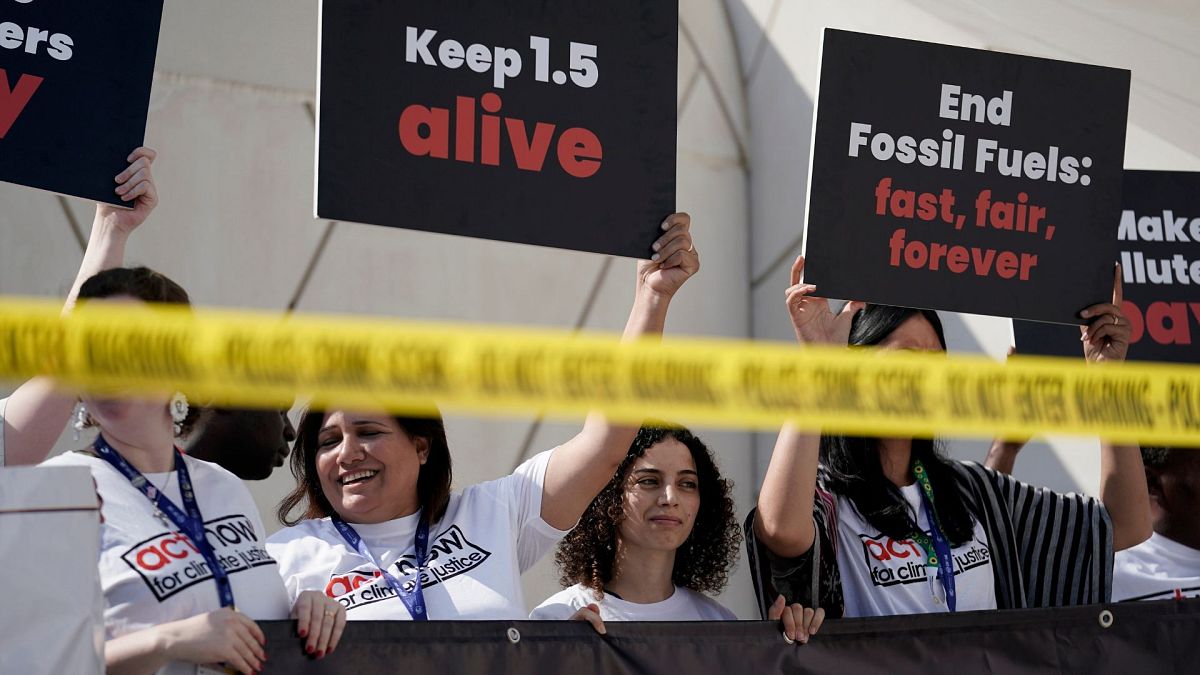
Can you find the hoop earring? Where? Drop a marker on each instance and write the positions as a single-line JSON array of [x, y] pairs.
[[178, 407]]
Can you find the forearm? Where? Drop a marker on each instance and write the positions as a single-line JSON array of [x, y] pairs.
[[1123, 491], [34, 417], [1002, 456], [105, 250], [582, 466], [784, 520], [140, 653]]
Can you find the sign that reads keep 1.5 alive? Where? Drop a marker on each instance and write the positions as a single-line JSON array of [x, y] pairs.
[[74, 88], [1159, 238], [549, 123], [965, 180]]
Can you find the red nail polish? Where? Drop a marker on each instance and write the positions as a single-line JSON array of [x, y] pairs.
[[308, 649], [303, 632], [321, 654]]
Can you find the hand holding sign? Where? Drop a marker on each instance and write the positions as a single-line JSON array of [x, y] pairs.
[[675, 260], [136, 185], [1106, 336], [812, 319]]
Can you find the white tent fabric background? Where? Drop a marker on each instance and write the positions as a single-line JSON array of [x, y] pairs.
[[231, 114]]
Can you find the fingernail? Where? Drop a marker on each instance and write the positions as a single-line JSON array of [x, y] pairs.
[[655, 257], [666, 225], [303, 632], [308, 649], [1085, 314], [656, 246], [321, 654]]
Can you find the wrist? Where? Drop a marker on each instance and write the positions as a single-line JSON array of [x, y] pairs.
[[652, 300], [164, 640]]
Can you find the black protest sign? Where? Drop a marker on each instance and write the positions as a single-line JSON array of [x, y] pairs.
[[549, 123], [1159, 238], [74, 88], [964, 180]]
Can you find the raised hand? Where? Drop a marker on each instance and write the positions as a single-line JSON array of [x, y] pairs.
[[812, 319], [1106, 336], [674, 260], [135, 187]]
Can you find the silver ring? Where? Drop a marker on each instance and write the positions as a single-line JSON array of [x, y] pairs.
[[1116, 320], [787, 639]]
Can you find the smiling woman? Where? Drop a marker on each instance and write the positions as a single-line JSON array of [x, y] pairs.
[[382, 533]]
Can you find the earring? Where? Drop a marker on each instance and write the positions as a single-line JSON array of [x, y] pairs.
[[178, 407], [81, 418]]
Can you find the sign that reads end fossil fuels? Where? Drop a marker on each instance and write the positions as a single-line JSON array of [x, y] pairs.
[[548, 123], [964, 180]]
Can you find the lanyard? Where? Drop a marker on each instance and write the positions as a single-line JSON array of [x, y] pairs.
[[937, 548], [191, 524], [414, 598]]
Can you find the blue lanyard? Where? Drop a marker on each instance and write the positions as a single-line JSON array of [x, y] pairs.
[[414, 598], [191, 524], [941, 555]]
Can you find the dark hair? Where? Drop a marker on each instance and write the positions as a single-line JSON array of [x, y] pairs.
[[852, 463], [433, 482], [586, 555], [1154, 457], [146, 285]]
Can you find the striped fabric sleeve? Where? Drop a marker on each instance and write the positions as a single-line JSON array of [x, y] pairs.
[[801, 579], [1062, 543]]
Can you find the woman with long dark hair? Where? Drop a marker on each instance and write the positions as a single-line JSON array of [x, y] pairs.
[[867, 526], [383, 534]]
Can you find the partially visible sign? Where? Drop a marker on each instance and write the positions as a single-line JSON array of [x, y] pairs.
[[74, 89], [964, 180], [548, 123], [1159, 237]]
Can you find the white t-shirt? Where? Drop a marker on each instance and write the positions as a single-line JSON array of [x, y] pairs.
[[683, 605], [1156, 569], [886, 577], [151, 574], [3, 404], [491, 533]]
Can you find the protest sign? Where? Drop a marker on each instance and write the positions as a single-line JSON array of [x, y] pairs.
[[74, 88], [965, 180], [526, 121], [1159, 237]]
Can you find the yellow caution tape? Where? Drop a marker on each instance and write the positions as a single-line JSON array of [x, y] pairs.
[[255, 359]]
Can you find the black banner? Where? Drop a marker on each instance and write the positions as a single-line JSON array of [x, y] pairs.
[[548, 123], [1159, 239], [964, 180], [74, 88], [1145, 637]]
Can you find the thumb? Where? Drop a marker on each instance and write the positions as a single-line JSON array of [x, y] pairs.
[[776, 609]]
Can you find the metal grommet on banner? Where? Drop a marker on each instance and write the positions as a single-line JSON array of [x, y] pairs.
[[514, 635], [1106, 619]]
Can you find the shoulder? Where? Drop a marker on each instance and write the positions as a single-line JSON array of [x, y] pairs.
[[562, 604], [310, 531], [709, 609], [532, 470]]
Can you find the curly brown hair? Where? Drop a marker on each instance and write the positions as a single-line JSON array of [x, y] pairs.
[[587, 554]]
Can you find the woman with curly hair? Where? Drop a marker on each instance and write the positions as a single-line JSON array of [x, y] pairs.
[[651, 546]]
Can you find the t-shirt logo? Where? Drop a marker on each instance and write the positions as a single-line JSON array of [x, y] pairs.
[[902, 561], [450, 555], [169, 562]]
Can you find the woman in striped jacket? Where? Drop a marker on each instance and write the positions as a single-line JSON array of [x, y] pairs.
[[854, 526]]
